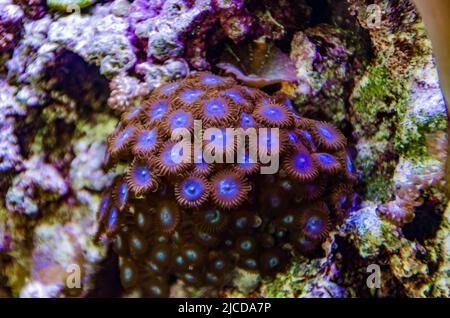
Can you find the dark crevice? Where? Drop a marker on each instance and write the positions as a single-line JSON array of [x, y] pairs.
[[321, 12], [107, 282], [425, 224], [81, 81]]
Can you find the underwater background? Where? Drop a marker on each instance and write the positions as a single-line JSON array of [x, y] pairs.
[[352, 83]]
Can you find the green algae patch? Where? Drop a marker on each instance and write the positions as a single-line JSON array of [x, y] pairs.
[[66, 5], [378, 95], [410, 140], [378, 102], [379, 187], [103, 126], [295, 282]]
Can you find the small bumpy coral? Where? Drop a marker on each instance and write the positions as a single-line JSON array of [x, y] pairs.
[[38, 185], [11, 17], [33, 9], [175, 29], [10, 158], [198, 220]]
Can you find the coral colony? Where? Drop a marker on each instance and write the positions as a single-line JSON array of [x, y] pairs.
[[198, 219]]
